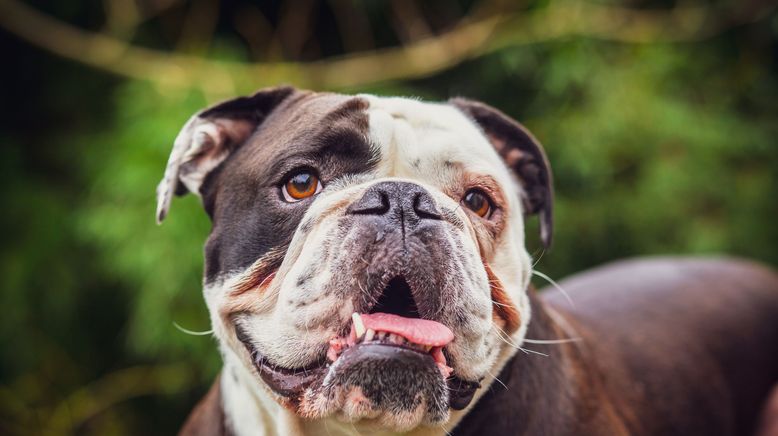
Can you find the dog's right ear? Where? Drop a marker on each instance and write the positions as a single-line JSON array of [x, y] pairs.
[[208, 138], [523, 154]]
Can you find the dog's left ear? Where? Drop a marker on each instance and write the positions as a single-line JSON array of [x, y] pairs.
[[523, 154], [209, 137]]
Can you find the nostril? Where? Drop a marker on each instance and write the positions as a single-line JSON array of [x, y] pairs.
[[424, 206], [384, 203], [374, 202]]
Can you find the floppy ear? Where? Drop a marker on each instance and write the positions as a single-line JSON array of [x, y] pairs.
[[208, 138], [523, 154]]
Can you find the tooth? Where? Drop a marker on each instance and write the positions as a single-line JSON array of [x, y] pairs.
[[369, 335], [381, 335], [445, 370], [426, 348], [332, 354], [359, 327]]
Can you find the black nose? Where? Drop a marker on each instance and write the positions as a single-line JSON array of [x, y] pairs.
[[400, 202]]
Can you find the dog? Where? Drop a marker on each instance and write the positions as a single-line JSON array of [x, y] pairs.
[[366, 273]]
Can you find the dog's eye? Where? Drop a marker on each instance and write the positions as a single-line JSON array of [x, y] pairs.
[[301, 185], [477, 201]]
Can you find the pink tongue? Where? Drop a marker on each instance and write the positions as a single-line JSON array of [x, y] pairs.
[[418, 331]]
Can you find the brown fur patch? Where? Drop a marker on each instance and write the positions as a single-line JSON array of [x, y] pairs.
[[502, 305], [245, 294], [486, 231], [260, 273]]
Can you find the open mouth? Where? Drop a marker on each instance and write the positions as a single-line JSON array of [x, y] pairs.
[[391, 330], [415, 334]]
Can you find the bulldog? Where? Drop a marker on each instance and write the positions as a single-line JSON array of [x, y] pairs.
[[366, 273]]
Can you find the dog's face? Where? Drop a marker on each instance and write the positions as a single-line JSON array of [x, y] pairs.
[[367, 254]]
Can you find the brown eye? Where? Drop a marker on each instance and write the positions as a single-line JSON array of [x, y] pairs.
[[477, 201], [301, 185]]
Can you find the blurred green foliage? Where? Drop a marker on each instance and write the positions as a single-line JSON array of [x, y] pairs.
[[656, 149]]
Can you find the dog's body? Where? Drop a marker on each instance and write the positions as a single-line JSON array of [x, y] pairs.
[[366, 272], [669, 346]]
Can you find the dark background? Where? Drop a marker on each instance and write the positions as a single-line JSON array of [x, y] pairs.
[[659, 119]]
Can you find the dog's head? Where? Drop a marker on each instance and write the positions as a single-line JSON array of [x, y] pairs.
[[367, 254]]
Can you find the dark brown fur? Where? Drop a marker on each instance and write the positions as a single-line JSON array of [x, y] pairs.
[[207, 418], [670, 346], [317, 130]]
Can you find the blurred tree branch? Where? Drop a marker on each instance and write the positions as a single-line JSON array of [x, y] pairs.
[[254, 28], [122, 17], [409, 21], [114, 388], [198, 27], [473, 36], [87, 402], [353, 25]]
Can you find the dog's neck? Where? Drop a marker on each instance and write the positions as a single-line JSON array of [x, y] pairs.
[[539, 393], [534, 391]]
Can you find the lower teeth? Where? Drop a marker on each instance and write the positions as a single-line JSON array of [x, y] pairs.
[[376, 337]]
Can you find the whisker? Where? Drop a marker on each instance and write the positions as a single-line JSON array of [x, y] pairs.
[[500, 304], [503, 336], [554, 284], [367, 299], [355, 428], [192, 332], [527, 350], [506, 339], [362, 294], [327, 428], [444, 430], [512, 345], [552, 341], [497, 379], [542, 252], [510, 342]]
